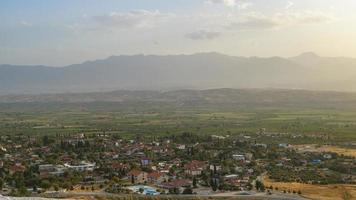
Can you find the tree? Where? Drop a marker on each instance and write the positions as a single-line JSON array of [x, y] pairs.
[[56, 188], [194, 182], [132, 179], [22, 191], [115, 179], [214, 185], [141, 190], [188, 190], [34, 188], [45, 140], [249, 186], [45, 184], [174, 191], [260, 186]]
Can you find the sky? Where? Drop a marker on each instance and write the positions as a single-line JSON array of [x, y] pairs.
[[63, 32]]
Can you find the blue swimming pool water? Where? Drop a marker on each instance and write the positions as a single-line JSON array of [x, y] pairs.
[[147, 190]]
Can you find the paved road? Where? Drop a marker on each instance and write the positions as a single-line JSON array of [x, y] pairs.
[[262, 196], [24, 198]]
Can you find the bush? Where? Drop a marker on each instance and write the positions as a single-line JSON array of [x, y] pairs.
[[188, 190]]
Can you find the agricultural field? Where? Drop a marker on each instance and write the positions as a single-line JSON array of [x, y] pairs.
[[326, 148], [333, 126], [317, 192]]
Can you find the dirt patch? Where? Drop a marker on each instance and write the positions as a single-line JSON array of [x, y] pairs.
[[339, 150], [317, 192], [326, 148]]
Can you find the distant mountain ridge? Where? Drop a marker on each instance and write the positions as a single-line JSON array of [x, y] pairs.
[[197, 71], [218, 98]]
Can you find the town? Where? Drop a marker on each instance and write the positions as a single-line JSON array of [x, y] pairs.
[[179, 164]]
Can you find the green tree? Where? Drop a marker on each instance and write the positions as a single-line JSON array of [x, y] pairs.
[[194, 182], [214, 185], [45, 140], [45, 184], [188, 190], [260, 186], [132, 179], [1, 183], [141, 190]]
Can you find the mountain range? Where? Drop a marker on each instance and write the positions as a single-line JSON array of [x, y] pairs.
[[212, 98], [173, 72]]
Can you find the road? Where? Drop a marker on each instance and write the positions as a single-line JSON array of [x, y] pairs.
[[237, 195]]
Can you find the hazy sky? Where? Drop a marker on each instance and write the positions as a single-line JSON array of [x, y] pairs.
[[60, 32]]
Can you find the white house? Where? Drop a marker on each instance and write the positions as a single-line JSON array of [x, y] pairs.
[[238, 157], [83, 166]]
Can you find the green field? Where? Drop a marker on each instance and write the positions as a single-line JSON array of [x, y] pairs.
[[128, 120]]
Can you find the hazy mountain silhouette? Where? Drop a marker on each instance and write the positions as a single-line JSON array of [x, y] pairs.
[[198, 71]]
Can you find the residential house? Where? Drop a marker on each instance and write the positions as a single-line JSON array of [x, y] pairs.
[[239, 157], [194, 168], [145, 161], [215, 167], [83, 166], [178, 183], [49, 169], [157, 177], [17, 168], [137, 176]]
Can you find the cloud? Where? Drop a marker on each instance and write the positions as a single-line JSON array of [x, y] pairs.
[[308, 17], [231, 3], [75, 28], [289, 4], [244, 5], [25, 23], [225, 2], [131, 19], [203, 35], [255, 20], [155, 42]]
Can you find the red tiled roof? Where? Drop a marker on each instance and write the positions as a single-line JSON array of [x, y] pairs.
[[135, 172], [176, 183], [118, 165], [17, 168], [194, 165], [155, 174]]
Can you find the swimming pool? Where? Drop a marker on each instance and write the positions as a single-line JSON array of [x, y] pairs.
[[147, 190]]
